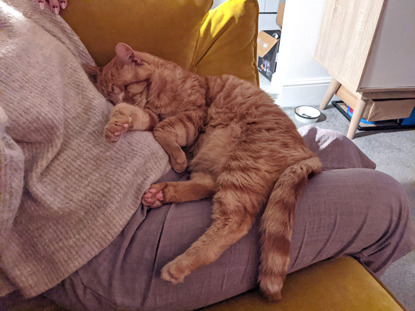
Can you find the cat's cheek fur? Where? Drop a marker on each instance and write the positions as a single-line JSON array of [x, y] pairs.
[[117, 98]]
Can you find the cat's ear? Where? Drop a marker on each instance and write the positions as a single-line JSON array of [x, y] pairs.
[[92, 71], [125, 55]]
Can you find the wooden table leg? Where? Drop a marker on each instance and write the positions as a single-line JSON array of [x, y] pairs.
[[357, 115], [333, 87]]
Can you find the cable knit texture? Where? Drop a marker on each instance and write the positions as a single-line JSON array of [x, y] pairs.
[[65, 192]]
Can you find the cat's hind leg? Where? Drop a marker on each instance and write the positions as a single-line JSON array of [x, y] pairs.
[[233, 216], [218, 237], [200, 186]]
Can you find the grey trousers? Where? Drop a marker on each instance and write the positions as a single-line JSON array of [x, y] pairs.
[[358, 212]]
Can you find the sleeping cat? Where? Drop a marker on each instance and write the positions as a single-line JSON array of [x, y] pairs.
[[241, 149]]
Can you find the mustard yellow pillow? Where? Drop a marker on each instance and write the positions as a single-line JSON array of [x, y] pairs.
[[166, 28], [228, 39]]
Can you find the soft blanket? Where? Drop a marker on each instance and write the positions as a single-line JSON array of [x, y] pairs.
[[65, 193]]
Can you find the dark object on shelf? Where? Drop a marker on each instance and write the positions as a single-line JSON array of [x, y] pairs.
[[396, 124], [267, 49]]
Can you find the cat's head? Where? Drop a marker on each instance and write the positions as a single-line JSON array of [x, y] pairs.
[[128, 72]]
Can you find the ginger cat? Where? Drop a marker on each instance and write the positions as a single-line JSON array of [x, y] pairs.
[[242, 150]]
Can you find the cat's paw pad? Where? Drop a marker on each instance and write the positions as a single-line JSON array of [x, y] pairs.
[[153, 198], [271, 287], [175, 271], [116, 127]]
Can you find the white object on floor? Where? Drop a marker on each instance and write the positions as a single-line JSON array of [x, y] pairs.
[[307, 114]]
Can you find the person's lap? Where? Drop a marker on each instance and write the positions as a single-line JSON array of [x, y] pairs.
[[357, 212]]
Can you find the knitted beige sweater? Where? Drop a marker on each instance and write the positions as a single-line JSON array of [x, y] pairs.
[[65, 193]]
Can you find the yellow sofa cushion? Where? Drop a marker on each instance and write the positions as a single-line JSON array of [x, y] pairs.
[[338, 285], [216, 42], [166, 28], [228, 41]]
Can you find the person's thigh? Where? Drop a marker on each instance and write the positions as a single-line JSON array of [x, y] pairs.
[[358, 212]]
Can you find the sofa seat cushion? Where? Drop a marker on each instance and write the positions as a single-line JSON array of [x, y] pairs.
[[334, 285]]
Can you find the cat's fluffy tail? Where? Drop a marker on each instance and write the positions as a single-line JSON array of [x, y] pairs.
[[277, 223]]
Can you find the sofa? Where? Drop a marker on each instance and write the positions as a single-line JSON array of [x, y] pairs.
[[208, 42]]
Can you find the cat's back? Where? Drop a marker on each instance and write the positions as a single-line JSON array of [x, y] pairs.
[[256, 120], [244, 123], [236, 100]]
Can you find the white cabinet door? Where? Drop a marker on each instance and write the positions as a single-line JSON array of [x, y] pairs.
[[391, 62]]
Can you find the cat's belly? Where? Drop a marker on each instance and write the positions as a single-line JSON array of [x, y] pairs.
[[215, 149]]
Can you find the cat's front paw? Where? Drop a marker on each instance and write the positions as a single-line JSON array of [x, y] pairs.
[[153, 198], [116, 126], [178, 161], [175, 271]]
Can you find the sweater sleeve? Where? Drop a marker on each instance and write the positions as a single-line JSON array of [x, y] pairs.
[[11, 178], [11, 188]]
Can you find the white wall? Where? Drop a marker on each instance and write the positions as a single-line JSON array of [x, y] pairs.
[[299, 79]]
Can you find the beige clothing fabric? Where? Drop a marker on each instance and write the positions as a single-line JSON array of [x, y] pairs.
[[65, 193]]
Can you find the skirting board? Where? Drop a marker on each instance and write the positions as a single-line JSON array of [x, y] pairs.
[[307, 92]]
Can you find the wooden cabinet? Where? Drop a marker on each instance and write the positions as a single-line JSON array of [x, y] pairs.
[[368, 47]]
